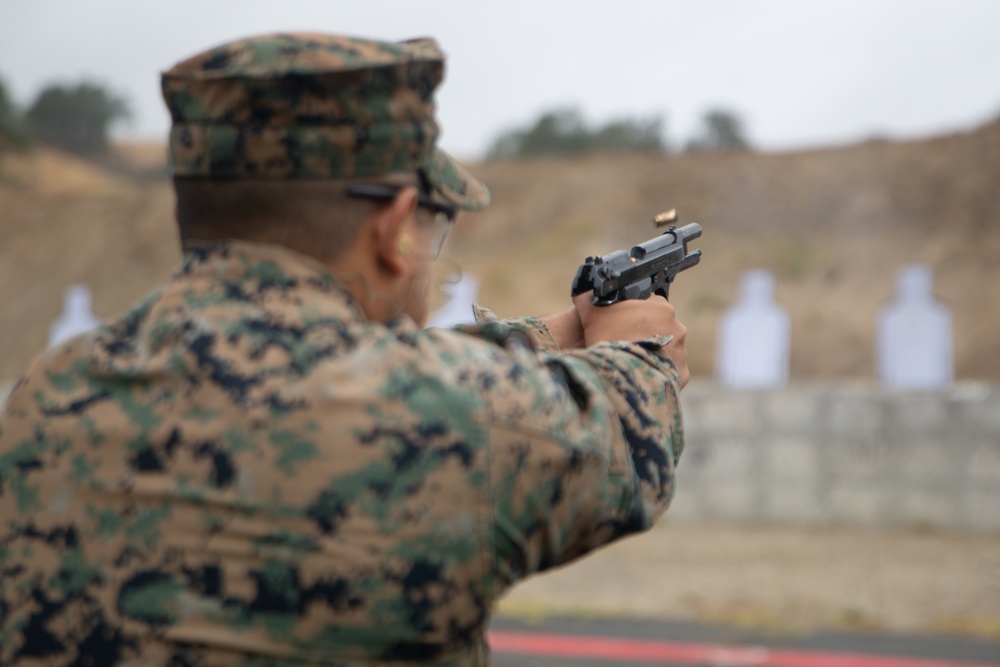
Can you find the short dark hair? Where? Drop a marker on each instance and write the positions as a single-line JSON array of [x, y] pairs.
[[312, 216]]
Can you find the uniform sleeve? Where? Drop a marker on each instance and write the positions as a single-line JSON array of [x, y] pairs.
[[536, 330], [583, 450]]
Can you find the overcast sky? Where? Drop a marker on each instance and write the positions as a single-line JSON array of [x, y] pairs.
[[800, 73]]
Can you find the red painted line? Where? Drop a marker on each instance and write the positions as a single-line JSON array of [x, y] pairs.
[[645, 650]]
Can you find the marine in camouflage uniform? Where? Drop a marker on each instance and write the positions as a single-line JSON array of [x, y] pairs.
[[246, 469]]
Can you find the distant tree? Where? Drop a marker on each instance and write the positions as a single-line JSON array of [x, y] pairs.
[[631, 135], [721, 131], [556, 132], [77, 118], [12, 132], [564, 132]]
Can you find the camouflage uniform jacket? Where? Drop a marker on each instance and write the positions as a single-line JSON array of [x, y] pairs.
[[243, 470]]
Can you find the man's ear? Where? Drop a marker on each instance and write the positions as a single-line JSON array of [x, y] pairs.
[[393, 236]]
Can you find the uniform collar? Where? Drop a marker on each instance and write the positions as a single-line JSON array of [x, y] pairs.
[[265, 266]]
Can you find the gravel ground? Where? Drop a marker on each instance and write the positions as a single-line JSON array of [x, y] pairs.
[[785, 579]]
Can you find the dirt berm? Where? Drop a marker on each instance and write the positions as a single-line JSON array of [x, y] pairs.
[[833, 225]]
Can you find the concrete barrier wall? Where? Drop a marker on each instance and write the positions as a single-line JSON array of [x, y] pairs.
[[842, 454], [839, 454]]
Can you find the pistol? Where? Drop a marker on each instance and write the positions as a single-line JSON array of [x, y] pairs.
[[646, 269]]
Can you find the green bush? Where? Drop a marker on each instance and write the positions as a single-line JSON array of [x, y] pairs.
[[77, 118], [721, 131], [12, 133], [564, 132]]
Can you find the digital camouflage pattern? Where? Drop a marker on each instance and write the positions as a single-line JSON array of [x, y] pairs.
[[312, 106], [243, 470]]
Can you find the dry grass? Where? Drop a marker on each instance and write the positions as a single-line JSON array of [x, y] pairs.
[[834, 226]]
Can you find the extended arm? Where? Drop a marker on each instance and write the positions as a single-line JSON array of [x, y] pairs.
[[593, 456]]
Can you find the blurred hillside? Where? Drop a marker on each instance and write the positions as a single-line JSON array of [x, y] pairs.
[[834, 226]]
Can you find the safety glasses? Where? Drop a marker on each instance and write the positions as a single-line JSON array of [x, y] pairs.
[[444, 212]]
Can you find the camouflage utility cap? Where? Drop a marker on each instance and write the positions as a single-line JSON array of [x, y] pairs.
[[313, 106]]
